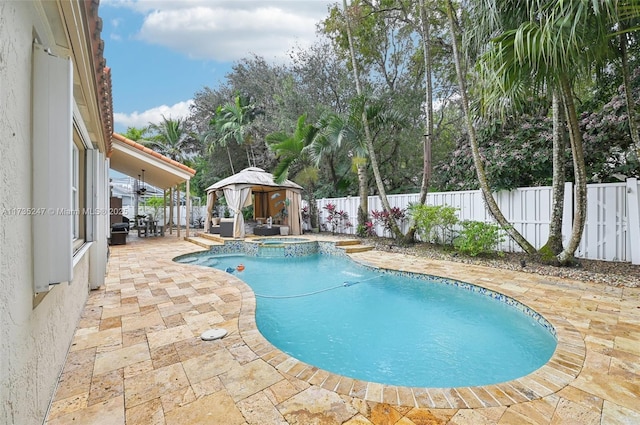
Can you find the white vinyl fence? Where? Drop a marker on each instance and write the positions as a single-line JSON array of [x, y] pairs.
[[197, 214], [612, 229]]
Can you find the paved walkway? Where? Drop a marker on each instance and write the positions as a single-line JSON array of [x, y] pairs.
[[137, 358]]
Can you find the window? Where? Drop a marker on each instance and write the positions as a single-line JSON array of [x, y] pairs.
[[81, 212], [75, 192]]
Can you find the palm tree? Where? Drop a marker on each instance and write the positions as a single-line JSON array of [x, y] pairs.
[[482, 177], [548, 45], [136, 134], [367, 130], [624, 66], [232, 121], [171, 139], [338, 132], [345, 132], [293, 154]]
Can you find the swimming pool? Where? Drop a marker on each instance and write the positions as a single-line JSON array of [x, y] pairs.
[[348, 319]]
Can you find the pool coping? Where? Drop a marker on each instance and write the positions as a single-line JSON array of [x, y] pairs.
[[562, 368]]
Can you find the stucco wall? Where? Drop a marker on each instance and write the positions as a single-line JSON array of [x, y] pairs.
[[33, 340]]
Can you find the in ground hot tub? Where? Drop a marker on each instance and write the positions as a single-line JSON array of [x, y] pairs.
[[280, 247]]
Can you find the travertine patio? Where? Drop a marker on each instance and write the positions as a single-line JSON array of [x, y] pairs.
[[137, 357]]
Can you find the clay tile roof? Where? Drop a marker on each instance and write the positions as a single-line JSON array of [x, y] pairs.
[[102, 71], [153, 153]]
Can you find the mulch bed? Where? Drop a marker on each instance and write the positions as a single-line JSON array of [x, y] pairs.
[[612, 273]]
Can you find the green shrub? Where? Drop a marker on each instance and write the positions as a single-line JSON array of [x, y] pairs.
[[477, 238], [434, 223]]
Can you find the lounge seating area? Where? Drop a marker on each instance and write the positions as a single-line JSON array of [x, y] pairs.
[[222, 227]]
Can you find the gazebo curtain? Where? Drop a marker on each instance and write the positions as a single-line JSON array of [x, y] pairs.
[[236, 200], [295, 212], [211, 201]]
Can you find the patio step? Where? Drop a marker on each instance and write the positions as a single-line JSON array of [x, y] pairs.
[[203, 242], [345, 242], [350, 249], [211, 237]]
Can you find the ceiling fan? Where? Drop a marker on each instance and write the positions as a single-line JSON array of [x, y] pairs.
[[141, 190]]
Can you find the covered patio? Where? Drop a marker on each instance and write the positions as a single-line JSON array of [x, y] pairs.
[[134, 159]]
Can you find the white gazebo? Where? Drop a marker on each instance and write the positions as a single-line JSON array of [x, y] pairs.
[[256, 186]]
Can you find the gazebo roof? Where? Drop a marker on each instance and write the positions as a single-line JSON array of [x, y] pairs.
[[256, 178]]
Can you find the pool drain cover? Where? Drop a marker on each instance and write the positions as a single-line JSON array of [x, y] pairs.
[[211, 334]]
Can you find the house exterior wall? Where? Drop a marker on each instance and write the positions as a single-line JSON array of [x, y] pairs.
[[35, 331]]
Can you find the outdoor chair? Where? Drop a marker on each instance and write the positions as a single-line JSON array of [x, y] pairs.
[[142, 227]]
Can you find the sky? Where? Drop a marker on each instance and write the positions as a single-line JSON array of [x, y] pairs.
[[161, 52]]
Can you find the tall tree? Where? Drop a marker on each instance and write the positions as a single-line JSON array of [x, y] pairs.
[[554, 242], [471, 132], [626, 78], [551, 44], [292, 153], [232, 122], [171, 138], [344, 132], [367, 130]]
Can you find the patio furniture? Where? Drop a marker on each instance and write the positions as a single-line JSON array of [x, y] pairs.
[[142, 227], [122, 226], [215, 225], [266, 231], [118, 238], [226, 227]]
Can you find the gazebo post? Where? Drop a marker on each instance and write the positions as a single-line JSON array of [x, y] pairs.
[[179, 208], [171, 210], [164, 208], [188, 207]]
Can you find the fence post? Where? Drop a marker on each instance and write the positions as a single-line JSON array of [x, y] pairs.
[[567, 212], [633, 219]]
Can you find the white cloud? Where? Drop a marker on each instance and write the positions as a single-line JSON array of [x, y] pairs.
[[153, 115], [228, 31]]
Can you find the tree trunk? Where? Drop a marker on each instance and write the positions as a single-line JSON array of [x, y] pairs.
[[363, 209], [633, 127], [428, 103], [230, 161], [553, 247], [579, 172], [428, 111], [482, 178], [367, 131]]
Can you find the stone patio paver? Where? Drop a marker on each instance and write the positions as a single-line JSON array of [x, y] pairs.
[[137, 358]]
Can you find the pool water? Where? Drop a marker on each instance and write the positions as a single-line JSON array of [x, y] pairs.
[[332, 313]]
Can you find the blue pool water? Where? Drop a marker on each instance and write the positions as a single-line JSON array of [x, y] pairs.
[[329, 312]]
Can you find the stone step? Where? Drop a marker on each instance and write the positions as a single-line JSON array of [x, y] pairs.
[[345, 242], [203, 242], [211, 236], [350, 249]]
